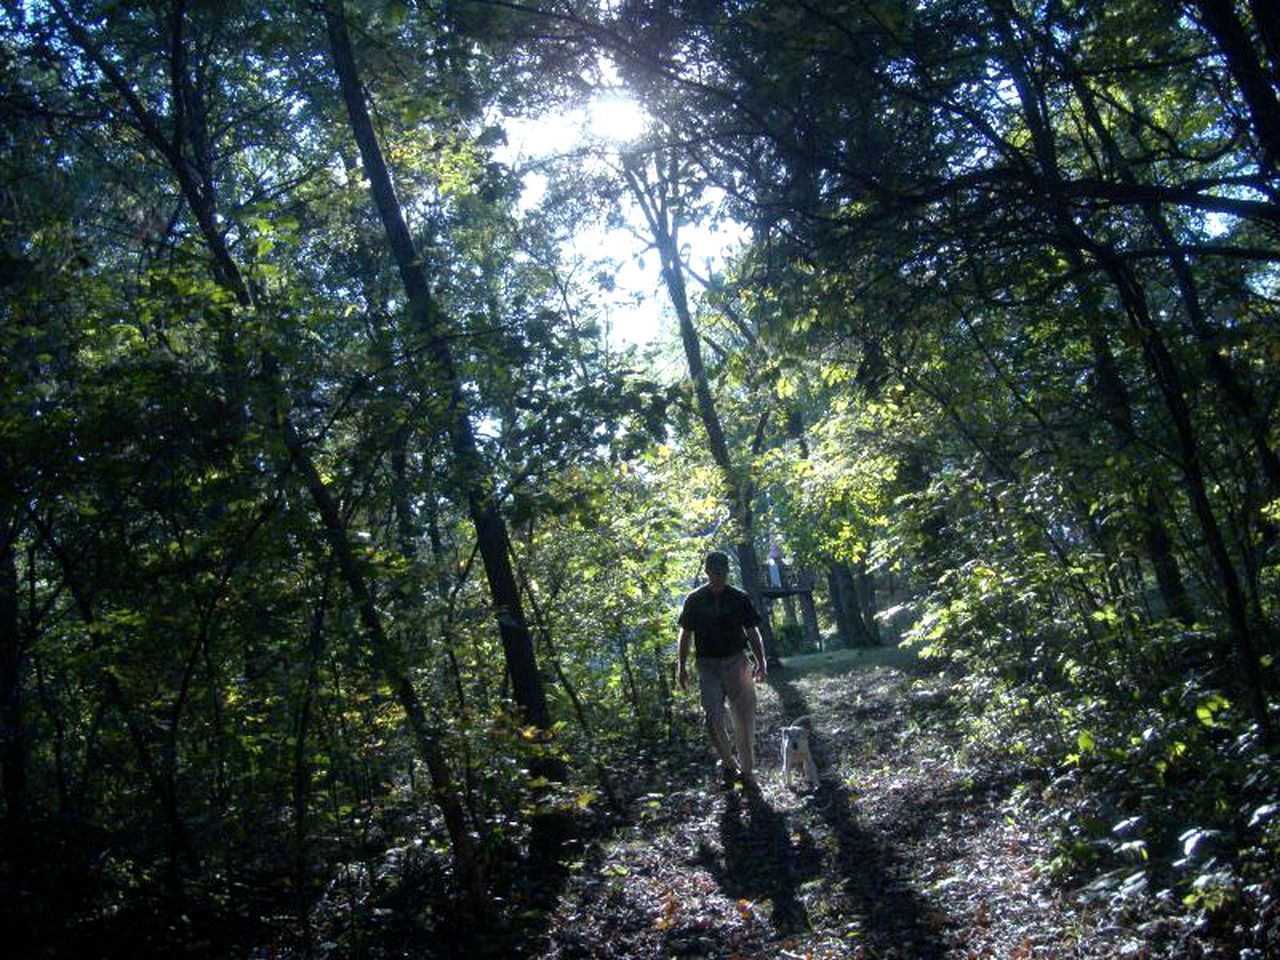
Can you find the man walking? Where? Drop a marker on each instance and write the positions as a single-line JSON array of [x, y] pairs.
[[721, 622]]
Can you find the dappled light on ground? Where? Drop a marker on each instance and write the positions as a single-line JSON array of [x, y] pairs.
[[910, 848]]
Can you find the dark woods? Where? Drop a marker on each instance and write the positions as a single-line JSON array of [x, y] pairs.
[[340, 540]]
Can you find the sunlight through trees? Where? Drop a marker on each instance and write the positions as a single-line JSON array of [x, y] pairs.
[[377, 374]]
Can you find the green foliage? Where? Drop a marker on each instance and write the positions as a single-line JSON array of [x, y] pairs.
[[944, 289], [790, 639], [1003, 341]]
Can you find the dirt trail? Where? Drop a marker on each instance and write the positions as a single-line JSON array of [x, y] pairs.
[[907, 850]]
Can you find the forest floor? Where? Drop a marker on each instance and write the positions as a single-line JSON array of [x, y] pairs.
[[912, 847]]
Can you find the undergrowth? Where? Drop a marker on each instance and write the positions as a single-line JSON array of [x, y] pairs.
[[1162, 800]]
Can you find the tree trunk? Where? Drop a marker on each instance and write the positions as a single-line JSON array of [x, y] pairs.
[[1164, 372], [844, 627], [1266, 17], [13, 765], [749, 563], [227, 273], [1113, 399], [491, 531], [810, 613], [302, 766], [865, 587], [663, 228], [1220, 19], [844, 595]]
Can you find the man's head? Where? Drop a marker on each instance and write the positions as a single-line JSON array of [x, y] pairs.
[[717, 567]]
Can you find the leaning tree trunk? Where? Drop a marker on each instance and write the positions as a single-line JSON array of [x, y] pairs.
[[482, 506], [1221, 20], [196, 191], [13, 767], [663, 228], [1166, 376]]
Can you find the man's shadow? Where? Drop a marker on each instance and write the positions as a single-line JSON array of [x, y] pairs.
[[875, 891], [762, 860]]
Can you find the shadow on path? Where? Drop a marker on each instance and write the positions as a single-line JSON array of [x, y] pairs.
[[761, 861], [876, 898]]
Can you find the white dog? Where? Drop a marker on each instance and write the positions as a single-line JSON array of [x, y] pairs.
[[797, 757]]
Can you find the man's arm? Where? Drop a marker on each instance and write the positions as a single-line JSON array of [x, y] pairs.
[[761, 672], [682, 657]]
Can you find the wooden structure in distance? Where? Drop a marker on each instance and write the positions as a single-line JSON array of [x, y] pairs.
[[783, 583]]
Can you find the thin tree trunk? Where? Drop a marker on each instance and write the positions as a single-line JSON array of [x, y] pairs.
[[579, 710], [1266, 17], [13, 764], [302, 767], [663, 228], [1113, 398], [865, 587], [491, 530], [227, 273], [54, 713], [844, 626], [810, 614], [1220, 19]]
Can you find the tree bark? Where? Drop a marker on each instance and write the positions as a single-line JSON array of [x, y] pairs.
[[227, 273], [1220, 19], [664, 229], [13, 766], [482, 506]]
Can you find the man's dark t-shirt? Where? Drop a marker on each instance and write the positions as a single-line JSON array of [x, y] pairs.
[[717, 620]]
